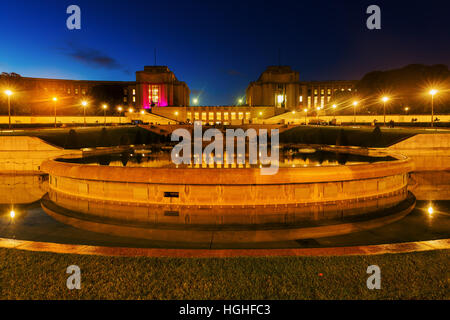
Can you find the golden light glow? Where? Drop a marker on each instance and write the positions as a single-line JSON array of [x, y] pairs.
[[84, 103], [306, 110], [142, 112], [260, 113], [120, 109], [334, 106], [293, 112], [355, 103], [12, 214], [105, 106], [433, 92], [55, 99], [195, 100], [430, 210], [240, 101], [406, 108], [176, 113], [385, 99], [8, 92], [280, 98], [130, 110]]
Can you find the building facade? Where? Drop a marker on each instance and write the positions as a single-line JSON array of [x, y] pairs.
[[155, 86], [281, 88]]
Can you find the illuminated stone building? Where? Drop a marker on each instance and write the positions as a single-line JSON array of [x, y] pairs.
[[281, 88]]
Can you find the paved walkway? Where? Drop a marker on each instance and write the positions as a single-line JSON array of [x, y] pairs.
[[206, 253]]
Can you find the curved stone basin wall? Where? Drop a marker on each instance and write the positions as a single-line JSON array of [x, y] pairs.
[[208, 196]]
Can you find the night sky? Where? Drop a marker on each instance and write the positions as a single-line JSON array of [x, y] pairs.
[[217, 48]]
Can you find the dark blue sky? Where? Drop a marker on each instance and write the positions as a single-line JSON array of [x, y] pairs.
[[217, 48]]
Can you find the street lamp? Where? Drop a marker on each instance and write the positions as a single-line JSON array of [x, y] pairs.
[[306, 116], [120, 113], [432, 92], [384, 99], [84, 104], [355, 103], [406, 110], [54, 107], [334, 111], [9, 93], [195, 100], [104, 112], [240, 101]]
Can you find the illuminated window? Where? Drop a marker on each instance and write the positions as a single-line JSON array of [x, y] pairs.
[[322, 101], [328, 99], [197, 115], [134, 99], [233, 116], [134, 92], [68, 90], [218, 116], [315, 101], [329, 92], [225, 116], [204, 116], [153, 94], [76, 90], [189, 116], [241, 115], [83, 91], [322, 92], [211, 116], [247, 115], [315, 92], [301, 98], [309, 101], [125, 99]]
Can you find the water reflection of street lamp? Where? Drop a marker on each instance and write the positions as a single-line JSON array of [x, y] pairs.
[[384, 99], [84, 104], [9, 93], [432, 92]]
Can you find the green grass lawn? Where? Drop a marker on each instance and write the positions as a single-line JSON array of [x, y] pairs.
[[35, 275]]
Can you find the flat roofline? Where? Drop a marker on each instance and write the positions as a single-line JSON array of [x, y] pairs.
[[72, 80]]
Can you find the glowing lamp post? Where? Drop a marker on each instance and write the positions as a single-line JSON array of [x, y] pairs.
[[9, 93], [195, 101], [84, 104], [384, 99], [104, 113], [355, 103], [432, 92], [334, 111], [306, 116], [120, 113], [54, 107], [240, 101], [406, 110]]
